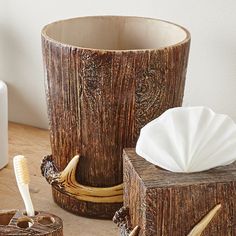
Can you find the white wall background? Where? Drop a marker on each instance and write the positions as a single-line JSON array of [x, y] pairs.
[[211, 78]]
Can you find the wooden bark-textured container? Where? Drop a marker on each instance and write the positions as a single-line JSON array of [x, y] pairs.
[[163, 203], [14, 222], [106, 77]]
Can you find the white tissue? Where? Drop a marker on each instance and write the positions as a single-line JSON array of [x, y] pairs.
[[188, 139]]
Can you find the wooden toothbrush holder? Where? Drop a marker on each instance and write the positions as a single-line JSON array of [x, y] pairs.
[[15, 222]]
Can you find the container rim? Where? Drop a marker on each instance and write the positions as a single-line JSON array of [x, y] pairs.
[[50, 39]]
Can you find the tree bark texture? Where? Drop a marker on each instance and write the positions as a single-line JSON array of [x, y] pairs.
[[163, 203], [98, 101]]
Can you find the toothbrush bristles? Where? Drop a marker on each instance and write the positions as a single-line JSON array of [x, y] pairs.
[[21, 169]]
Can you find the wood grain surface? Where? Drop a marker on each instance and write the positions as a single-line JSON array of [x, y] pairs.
[[165, 203], [43, 224], [98, 101], [34, 143]]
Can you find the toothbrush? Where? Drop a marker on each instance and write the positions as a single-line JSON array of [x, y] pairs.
[[22, 179]]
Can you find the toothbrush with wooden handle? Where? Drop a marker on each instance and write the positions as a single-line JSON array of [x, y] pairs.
[[22, 179]]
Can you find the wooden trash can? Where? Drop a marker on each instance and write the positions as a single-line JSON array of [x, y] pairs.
[[106, 77], [15, 222], [160, 202]]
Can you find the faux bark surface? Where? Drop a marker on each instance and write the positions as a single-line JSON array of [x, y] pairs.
[[165, 203], [97, 103], [13, 222]]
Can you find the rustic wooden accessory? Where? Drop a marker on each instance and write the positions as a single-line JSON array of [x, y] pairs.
[[122, 219], [106, 77], [162, 203], [15, 222]]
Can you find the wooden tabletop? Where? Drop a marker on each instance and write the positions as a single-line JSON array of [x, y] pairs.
[[33, 143]]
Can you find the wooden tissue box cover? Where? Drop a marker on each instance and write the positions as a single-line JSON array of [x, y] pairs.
[[172, 204]]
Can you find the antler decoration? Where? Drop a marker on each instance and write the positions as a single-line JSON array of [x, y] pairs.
[[198, 229], [66, 181]]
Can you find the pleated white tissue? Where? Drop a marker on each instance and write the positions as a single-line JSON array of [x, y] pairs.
[[188, 139]]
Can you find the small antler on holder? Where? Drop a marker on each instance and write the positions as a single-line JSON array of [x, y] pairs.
[[66, 182], [204, 222], [122, 219]]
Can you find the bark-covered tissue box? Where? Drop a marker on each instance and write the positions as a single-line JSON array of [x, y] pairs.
[[162, 203]]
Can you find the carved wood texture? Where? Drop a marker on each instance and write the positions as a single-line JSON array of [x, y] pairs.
[[163, 203], [97, 103], [14, 222]]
